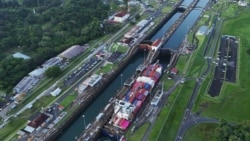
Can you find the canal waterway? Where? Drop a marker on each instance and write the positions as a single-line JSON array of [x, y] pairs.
[[166, 26], [101, 101], [176, 39]]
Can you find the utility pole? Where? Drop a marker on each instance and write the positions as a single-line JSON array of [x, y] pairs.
[[83, 116]]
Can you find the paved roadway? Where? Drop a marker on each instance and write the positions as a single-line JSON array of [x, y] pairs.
[[157, 110], [7, 108], [189, 118]]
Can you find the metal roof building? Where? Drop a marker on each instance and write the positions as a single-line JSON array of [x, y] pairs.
[[92, 80], [72, 52], [52, 62], [38, 73], [25, 84]]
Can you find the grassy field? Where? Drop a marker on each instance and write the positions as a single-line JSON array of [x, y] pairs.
[[118, 48], [106, 68], [233, 101], [233, 97], [158, 123], [192, 68], [175, 115], [181, 65], [201, 132], [18, 122], [139, 133], [66, 101]]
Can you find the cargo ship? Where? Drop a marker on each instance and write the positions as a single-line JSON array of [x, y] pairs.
[[126, 108]]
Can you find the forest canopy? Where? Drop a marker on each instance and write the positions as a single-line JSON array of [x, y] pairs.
[[44, 28]]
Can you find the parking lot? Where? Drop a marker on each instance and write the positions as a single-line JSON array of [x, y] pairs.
[[81, 71], [232, 60], [226, 64]]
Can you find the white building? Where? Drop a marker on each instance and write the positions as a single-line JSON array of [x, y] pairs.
[[56, 92], [242, 3], [92, 80], [121, 17]]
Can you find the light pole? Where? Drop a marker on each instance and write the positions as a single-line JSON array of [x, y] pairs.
[[144, 55], [83, 116], [117, 135], [187, 29]]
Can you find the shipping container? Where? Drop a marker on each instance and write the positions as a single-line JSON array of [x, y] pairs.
[[146, 93], [125, 124], [126, 98], [121, 122], [138, 104], [147, 86], [139, 97], [131, 94], [117, 121], [135, 101], [137, 94], [131, 99], [152, 74], [142, 90]]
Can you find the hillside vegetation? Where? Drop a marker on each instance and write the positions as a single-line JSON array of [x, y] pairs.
[[44, 28]]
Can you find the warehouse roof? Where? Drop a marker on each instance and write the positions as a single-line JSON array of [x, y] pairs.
[[72, 51]]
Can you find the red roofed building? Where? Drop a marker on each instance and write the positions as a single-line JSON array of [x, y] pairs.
[[121, 17], [156, 44], [35, 122], [174, 71], [38, 120]]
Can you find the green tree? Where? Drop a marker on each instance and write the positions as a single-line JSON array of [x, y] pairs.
[[53, 72], [248, 51]]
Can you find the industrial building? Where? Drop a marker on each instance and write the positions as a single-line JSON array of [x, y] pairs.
[[37, 73], [52, 62], [35, 122], [92, 80], [121, 17], [25, 84], [72, 52]]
